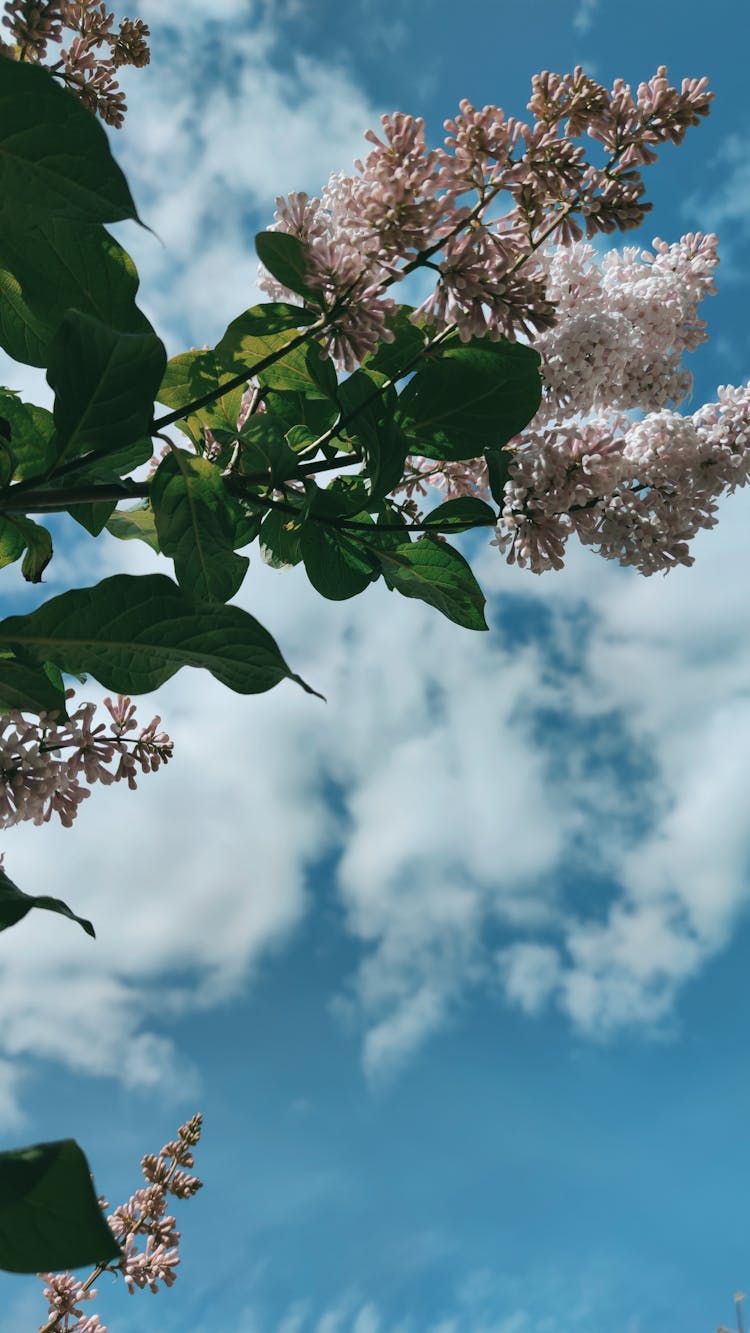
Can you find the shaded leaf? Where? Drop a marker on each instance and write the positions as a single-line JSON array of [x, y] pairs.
[[56, 265], [30, 688], [194, 526], [280, 539], [105, 383], [471, 399], [409, 341], [133, 633], [460, 514], [50, 1220], [498, 471], [14, 904], [337, 564], [284, 257], [32, 431]]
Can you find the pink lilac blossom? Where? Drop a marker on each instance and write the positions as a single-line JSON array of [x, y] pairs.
[[143, 1219], [44, 762], [89, 74], [411, 206]]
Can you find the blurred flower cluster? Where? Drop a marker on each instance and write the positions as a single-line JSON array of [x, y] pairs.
[[93, 53]]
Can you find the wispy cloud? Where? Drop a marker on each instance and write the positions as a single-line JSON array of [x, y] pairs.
[[584, 16]]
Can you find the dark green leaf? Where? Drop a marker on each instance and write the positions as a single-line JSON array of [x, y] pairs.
[[56, 265], [436, 573], [105, 383], [295, 409], [50, 1220], [7, 463], [137, 522], [280, 539], [264, 449], [133, 633], [461, 514], [12, 544], [93, 517], [29, 688], [284, 257], [32, 434], [336, 563], [498, 471], [472, 398], [38, 549], [409, 341], [55, 158], [194, 526], [14, 904]]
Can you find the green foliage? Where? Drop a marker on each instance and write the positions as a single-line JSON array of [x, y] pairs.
[[55, 159], [474, 397], [133, 633], [285, 259], [437, 574], [30, 688], [50, 1219], [31, 433], [14, 904], [105, 382], [194, 526]]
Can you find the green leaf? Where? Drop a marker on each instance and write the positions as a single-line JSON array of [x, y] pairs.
[[12, 544], [472, 398], [436, 573], [56, 265], [337, 564], [133, 633], [498, 472], [304, 371], [50, 1220], [105, 383], [284, 257], [55, 158], [14, 904], [194, 526], [280, 539], [38, 549], [189, 377], [29, 688], [264, 449], [32, 431], [137, 522], [93, 517], [7, 462], [461, 514], [295, 409], [408, 343], [259, 332]]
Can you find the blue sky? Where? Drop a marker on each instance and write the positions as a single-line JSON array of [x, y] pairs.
[[455, 965]]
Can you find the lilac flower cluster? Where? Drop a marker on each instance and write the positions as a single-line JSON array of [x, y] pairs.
[[143, 1218], [636, 491], [44, 762], [87, 25], [411, 207]]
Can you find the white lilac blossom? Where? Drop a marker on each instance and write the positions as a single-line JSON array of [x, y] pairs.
[[142, 1221], [636, 491], [44, 762]]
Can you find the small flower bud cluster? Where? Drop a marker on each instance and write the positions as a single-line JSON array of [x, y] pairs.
[[143, 1218], [44, 763], [411, 207], [33, 24]]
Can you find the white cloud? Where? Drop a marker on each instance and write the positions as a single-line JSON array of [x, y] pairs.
[[584, 16]]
